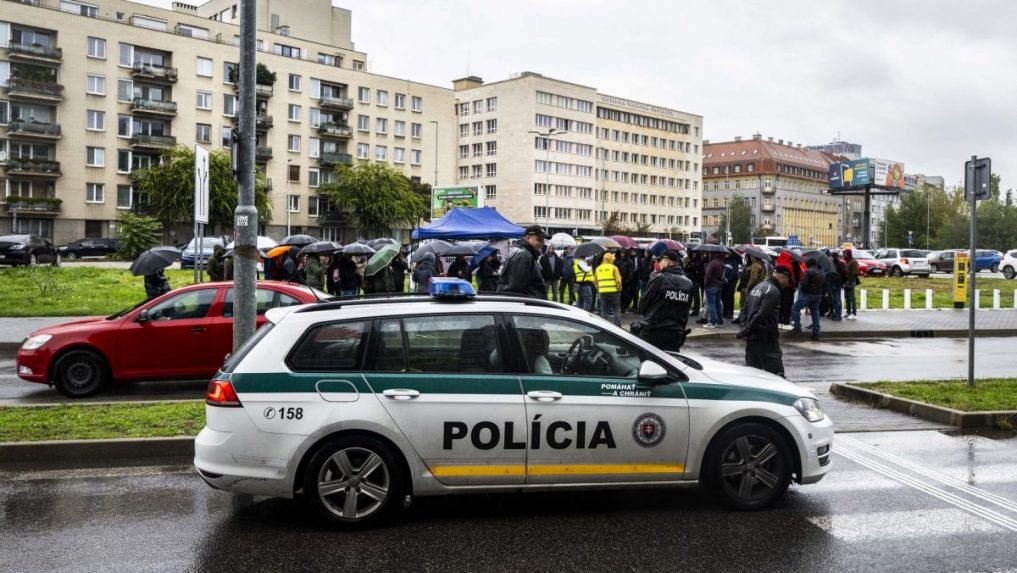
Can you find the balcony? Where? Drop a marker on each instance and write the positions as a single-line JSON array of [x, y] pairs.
[[335, 159], [262, 153], [33, 130], [154, 73], [769, 189], [767, 207], [337, 130], [38, 91], [143, 106], [35, 205], [35, 53], [33, 167], [340, 103], [264, 91], [145, 141]]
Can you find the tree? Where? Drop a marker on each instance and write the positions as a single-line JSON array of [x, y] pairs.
[[424, 191], [378, 196], [613, 227], [741, 222], [170, 188], [136, 235]]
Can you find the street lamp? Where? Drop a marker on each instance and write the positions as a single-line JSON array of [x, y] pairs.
[[435, 122], [552, 132]]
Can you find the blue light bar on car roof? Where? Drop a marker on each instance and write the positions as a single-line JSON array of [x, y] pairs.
[[451, 288]]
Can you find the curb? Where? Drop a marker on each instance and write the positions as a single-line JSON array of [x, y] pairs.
[[99, 452], [848, 334], [922, 410]]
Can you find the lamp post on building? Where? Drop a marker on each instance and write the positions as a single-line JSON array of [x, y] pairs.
[[547, 135]]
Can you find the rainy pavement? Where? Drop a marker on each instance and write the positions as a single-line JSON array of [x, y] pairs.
[[898, 501]]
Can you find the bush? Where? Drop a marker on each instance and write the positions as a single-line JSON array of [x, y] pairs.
[[136, 235]]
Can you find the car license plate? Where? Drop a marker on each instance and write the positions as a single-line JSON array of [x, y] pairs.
[[876, 272]]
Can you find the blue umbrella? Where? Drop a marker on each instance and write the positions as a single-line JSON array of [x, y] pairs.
[[483, 254]]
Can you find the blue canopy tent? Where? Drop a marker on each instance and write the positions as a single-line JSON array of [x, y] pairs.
[[466, 223]]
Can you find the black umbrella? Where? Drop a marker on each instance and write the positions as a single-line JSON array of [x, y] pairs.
[[297, 241], [433, 247], [710, 248], [456, 251], [590, 249], [757, 252], [822, 260], [357, 249], [320, 247], [154, 260]]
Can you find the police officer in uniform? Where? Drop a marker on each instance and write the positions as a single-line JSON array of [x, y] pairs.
[[665, 304], [759, 329]]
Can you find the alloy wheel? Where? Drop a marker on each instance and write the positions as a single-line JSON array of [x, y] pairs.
[[751, 467], [354, 483]]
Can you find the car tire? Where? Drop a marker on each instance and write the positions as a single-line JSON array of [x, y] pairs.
[[33, 261], [896, 272], [80, 373], [345, 460], [1009, 273], [748, 466], [935, 268], [58, 260], [995, 267]]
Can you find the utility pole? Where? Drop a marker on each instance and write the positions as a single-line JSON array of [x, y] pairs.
[[246, 215], [435, 122]]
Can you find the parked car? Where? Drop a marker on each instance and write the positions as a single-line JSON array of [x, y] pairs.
[[868, 265], [986, 259], [941, 261], [189, 255], [89, 248], [900, 262], [182, 335], [1009, 265], [29, 250]]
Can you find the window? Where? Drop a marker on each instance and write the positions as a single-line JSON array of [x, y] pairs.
[[417, 104], [314, 117], [400, 128], [381, 126], [382, 97], [491, 192], [464, 130], [328, 59], [313, 178], [124, 197], [96, 120], [227, 136], [95, 84], [203, 133], [415, 130], [189, 305], [265, 298], [286, 51], [204, 100], [415, 157], [293, 143], [335, 347], [358, 65], [96, 48], [313, 147], [451, 343], [492, 169], [146, 22], [93, 192], [400, 101], [229, 105], [126, 56], [294, 83], [492, 104], [294, 174], [364, 95], [95, 156], [400, 155], [294, 113], [229, 72], [313, 208], [464, 172], [492, 126], [79, 8], [380, 152], [363, 123], [293, 203], [203, 67], [123, 161], [478, 149], [362, 151], [125, 90]]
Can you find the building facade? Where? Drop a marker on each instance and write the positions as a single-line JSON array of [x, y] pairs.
[[566, 157], [784, 185], [91, 91]]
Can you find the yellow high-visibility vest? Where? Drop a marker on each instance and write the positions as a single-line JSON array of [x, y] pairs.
[[605, 278], [581, 275]]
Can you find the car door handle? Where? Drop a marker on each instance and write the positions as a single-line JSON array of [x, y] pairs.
[[401, 394], [198, 329], [544, 395]]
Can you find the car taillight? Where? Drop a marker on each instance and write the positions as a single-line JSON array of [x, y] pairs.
[[221, 393]]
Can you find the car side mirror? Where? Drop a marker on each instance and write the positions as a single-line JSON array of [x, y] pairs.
[[143, 316], [653, 373]]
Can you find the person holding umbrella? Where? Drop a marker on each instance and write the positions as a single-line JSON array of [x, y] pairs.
[[216, 264], [156, 284], [584, 283], [665, 305], [314, 271], [521, 275], [349, 280], [150, 264], [424, 271], [459, 268]]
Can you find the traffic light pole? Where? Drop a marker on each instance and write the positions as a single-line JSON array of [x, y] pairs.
[[245, 255]]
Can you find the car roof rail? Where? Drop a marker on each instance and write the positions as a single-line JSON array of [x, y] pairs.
[[395, 298]]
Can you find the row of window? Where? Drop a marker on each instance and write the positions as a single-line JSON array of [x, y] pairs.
[[653, 199], [564, 191], [564, 102], [562, 146], [618, 156], [478, 128], [477, 171], [625, 177], [728, 169], [647, 140], [559, 168], [463, 108], [563, 124], [645, 121], [479, 149]]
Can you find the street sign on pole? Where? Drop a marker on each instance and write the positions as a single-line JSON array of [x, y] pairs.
[[200, 185], [977, 185], [978, 178]]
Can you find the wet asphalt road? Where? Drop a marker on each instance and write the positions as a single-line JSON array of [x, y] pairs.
[[901, 501]]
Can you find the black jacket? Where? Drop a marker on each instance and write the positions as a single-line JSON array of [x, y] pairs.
[[423, 272], [546, 270], [459, 270], [665, 303], [644, 268], [762, 312], [813, 281], [521, 274], [156, 284], [487, 277]]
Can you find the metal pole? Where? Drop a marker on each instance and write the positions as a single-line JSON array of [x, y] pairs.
[[547, 182], [245, 256], [288, 162], [928, 209], [972, 265], [435, 122], [867, 223], [195, 259]]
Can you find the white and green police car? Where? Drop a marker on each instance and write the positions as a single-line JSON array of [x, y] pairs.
[[360, 403]]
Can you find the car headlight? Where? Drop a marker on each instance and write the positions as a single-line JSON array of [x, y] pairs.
[[18, 247], [36, 341], [809, 408]]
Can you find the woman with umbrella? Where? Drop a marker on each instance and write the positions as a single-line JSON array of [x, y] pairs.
[[150, 264], [349, 280]]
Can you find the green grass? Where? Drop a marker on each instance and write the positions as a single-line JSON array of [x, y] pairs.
[[942, 291], [989, 394], [101, 421], [74, 291]]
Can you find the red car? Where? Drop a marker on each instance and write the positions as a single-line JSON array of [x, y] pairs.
[[181, 335], [868, 264]]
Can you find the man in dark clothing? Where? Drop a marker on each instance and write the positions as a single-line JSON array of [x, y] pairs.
[[551, 271], [759, 329], [810, 293], [156, 284], [732, 263], [399, 268], [460, 269], [290, 271], [694, 269], [487, 273], [665, 305], [521, 275], [424, 271], [835, 286], [216, 264], [713, 282], [627, 268], [568, 278], [644, 268], [349, 280]]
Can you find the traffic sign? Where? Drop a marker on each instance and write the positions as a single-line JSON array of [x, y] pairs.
[[978, 178], [200, 184]]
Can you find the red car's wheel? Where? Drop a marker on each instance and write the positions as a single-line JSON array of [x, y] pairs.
[[80, 373]]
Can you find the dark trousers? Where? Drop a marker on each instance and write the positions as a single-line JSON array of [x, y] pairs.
[[664, 339], [787, 298], [567, 286], [765, 354], [697, 297], [629, 293], [727, 298], [849, 300]]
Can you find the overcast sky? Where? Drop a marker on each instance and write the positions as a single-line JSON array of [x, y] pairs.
[[929, 83]]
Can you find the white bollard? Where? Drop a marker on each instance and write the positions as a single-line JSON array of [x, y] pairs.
[[886, 299], [865, 299], [907, 299], [928, 299], [1015, 299], [995, 299], [978, 299]]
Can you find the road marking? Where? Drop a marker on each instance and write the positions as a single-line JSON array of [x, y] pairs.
[[879, 526], [89, 473]]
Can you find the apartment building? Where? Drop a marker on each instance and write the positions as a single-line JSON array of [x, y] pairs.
[[564, 156], [784, 184], [91, 91]]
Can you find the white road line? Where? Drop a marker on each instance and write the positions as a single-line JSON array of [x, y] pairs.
[[878, 526]]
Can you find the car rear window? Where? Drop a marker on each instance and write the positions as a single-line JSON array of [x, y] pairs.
[[330, 347], [912, 254], [234, 359]]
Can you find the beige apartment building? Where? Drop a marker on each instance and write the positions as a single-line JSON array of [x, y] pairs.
[[90, 91], [566, 157]]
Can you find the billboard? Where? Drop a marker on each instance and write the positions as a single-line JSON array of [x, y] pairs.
[[888, 173], [444, 199], [854, 173]]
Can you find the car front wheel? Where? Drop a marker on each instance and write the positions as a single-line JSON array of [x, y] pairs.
[[748, 466], [80, 373], [935, 268], [353, 481], [896, 272], [1009, 273]]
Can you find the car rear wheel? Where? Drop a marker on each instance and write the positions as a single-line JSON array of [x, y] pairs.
[[896, 272], [1009, 273], [748, 466], [80, 373], [353, 481], [71, 255], [995, 267], [935, 268]]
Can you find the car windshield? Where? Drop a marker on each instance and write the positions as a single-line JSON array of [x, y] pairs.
[[125, 311]]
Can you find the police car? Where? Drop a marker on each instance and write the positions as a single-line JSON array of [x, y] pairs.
[[358, 404]]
